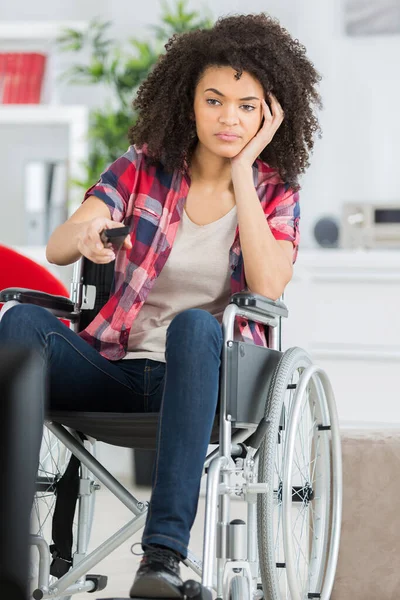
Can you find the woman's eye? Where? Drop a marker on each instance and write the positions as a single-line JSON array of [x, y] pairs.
[[214, 102]]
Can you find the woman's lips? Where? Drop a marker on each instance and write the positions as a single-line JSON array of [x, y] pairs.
[[227, 137]]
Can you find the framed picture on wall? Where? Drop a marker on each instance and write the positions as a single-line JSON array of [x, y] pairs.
[[372, 17]]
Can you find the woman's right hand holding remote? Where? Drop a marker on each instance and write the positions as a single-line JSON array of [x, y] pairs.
[[90, 244]]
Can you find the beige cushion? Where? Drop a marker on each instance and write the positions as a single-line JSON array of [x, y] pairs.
[[369, 557]]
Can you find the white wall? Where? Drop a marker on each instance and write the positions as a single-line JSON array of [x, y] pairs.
[[358, 155], [52, 10]]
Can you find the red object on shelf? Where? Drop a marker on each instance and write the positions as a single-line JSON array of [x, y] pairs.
[[21, 77]]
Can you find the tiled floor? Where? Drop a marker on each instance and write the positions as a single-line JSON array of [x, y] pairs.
[[121, 565]]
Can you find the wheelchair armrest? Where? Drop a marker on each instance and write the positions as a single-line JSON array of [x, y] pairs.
[[60, 306], [260, 305]]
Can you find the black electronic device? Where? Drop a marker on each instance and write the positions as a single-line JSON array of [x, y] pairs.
[[115, 236], [326, 232]]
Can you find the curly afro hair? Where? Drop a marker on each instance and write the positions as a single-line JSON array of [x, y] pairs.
[[257, 44]]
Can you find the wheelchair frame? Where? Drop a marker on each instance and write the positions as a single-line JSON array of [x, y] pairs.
[[224, 542]]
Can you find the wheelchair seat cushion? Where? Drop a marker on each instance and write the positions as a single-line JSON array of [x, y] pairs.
[[129, 430]]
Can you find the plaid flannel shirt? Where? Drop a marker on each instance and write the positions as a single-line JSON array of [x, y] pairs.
[[150, 201]]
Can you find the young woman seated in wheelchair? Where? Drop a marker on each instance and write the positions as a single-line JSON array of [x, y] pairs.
[[209, 189]]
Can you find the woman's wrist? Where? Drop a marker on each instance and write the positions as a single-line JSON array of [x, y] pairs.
[[241, 170]]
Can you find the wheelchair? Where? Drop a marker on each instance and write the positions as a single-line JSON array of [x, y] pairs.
[[278, 450]]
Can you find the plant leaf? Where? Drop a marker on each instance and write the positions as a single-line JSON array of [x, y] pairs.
[[122, 72]]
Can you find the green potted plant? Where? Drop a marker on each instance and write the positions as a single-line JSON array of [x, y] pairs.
[[122, 72]]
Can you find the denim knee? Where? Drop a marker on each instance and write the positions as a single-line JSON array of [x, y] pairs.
[[192, 334], [18, 320], [196, 322]]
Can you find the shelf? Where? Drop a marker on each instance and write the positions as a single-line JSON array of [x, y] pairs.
[[75, 117], [37, 30], [46, 114], [326, 260]]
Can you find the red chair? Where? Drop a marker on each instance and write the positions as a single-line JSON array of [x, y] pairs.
[[16, 270]]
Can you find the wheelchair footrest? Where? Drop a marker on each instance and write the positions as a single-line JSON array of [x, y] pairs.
[[192, 590], [137, 598]]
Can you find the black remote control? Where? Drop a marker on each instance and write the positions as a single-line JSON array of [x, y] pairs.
[[114, 236]]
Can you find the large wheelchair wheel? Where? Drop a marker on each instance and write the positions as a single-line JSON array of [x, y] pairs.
[[53, 462], [299, 518]]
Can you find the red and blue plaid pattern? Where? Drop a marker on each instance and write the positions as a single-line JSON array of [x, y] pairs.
[[151, 202]]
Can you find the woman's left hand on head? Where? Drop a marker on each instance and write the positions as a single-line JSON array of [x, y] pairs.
[[272, 122]]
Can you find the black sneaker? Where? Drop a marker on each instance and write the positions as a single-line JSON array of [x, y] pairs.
[[158, 575]]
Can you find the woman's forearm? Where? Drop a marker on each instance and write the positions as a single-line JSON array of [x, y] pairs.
[[62, 247], [266, 266]]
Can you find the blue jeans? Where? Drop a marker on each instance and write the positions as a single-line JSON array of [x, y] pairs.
[[184, 390]]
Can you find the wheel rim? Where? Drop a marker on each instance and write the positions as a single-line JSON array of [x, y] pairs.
[[312, 491]]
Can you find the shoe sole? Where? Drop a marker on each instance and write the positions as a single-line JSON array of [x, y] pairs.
[[154, 588]]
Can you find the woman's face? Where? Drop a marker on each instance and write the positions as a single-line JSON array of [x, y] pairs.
[[225, 105]]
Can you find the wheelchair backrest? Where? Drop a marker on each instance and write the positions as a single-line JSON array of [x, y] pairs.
[[101, 277]]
